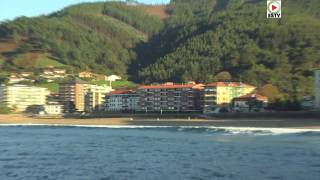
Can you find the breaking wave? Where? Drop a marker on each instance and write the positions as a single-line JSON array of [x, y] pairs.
[[195, 129]]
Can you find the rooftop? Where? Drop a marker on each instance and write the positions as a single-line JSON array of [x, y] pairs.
[[253, 96], [173, 86], [119, 92], [230, 84]]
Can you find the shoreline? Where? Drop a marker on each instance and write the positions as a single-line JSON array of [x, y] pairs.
[[7, 120]]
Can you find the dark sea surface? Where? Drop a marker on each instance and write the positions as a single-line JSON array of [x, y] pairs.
[[40, 152]]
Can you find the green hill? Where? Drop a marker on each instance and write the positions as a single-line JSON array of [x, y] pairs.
[[185, 40], [204, 38], [92, 36]]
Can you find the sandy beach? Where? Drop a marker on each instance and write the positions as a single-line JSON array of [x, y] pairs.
[[271, 123]]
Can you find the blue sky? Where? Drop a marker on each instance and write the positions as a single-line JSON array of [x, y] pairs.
[[10, 9]]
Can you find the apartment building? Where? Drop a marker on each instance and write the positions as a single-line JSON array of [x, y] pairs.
[[122, 101], [72, 95], [317, 89], [21, 97], [221, 93], [171, 97], [95, 97]]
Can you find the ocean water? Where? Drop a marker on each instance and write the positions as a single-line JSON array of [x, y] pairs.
[[195, 153]]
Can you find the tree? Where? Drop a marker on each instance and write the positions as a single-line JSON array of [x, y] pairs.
[[4, 109], [223, 76], [270, 91]]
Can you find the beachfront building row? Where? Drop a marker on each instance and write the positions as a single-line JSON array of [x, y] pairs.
[[77, 95], [21, 97], [167, 97], [170, 97]]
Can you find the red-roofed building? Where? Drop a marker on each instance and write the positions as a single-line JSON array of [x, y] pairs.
[[170, 97], [122, 101], [252, 102]]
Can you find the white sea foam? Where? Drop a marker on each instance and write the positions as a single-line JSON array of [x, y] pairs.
[[265, 131], [229, 130]]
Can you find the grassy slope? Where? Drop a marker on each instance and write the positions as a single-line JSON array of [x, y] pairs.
[[68, 35], [35, 60], [155, 10], [118, 85], [53, 87]]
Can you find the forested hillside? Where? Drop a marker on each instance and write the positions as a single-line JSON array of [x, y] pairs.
[[92, 36], [202, 40], [207, 37]]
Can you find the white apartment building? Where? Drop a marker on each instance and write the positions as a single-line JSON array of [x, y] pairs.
[[20, 97], [95, 97], [317, 89]]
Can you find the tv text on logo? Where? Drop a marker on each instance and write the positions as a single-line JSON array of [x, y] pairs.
[[274, 9]]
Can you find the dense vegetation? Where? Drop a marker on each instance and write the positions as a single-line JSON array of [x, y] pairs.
[[138, 19], [203, 40], [94, 36], [235, 36]]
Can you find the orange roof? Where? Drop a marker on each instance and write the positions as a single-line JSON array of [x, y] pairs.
[[253, 96], [229, 84], [175, 86], [119, 92]]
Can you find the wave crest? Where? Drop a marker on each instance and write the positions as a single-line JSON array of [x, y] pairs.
[[195, 129]]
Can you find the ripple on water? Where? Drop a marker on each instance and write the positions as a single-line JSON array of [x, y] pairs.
[[163, 153]]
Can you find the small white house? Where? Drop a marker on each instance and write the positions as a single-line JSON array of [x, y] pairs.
[[113, 78], [53, 109]]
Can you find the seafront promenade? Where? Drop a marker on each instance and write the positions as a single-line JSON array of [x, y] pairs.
[[260, 123]]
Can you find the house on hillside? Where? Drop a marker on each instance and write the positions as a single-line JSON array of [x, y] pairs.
[[17, 78], [113, 78], [53, 73], [88, 74], [26, 74]]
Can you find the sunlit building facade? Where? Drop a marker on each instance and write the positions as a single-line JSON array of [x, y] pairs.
[[95, 97], [171, 97], [221, 93], [21, 97], [72, 95]]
